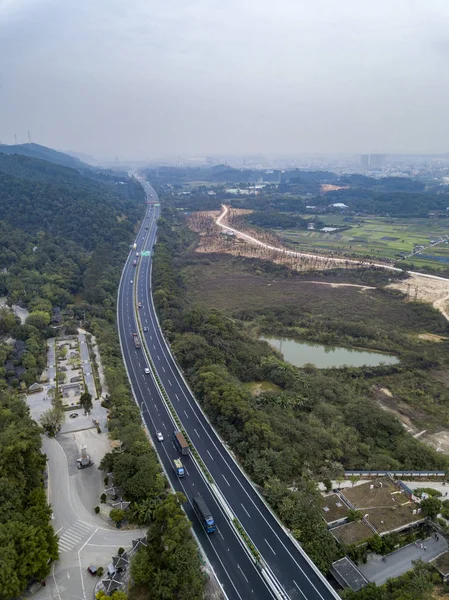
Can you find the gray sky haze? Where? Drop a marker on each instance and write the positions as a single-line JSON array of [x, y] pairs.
[[146, 78]]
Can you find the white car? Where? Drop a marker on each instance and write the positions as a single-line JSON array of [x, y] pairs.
[[147, 371], [131, 281], [159, 436]]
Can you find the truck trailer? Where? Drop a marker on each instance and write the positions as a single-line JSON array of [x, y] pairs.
[[136, 340], [180, 443], [203, 513]]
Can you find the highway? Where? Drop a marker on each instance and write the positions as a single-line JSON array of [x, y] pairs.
[[288, 567], [235, 570]]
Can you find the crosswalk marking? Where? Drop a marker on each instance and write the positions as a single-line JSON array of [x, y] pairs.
[[73, 535]]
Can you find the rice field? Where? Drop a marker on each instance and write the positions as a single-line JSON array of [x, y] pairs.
[[379, 237]]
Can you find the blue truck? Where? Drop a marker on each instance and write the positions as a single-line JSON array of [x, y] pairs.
[[203, 513], [179, 469]]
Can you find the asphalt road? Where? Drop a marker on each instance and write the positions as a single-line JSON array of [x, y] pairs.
[[236, 571], [288, 566]]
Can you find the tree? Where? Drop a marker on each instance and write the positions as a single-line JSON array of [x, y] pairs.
[[39, 319], [169, 565], [117, 595], [117, 515], [431, 506], [86, 402], [51, 421]]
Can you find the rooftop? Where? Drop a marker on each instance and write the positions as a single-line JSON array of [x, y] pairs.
[[352, 533], [441, 563], [383, 505], [333, 509], [347, 574]]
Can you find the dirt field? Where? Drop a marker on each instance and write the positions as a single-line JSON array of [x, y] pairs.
[[419, 287], [214, 239]]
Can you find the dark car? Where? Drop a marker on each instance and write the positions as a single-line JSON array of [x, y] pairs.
[[73, 415], [145, 329]]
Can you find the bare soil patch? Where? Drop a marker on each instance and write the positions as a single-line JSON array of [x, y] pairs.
[[432, 337], [419, 287]]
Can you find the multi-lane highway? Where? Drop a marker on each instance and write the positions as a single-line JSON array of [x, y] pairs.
[[287, 568]]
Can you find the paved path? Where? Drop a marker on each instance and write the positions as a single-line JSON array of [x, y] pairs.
[[400, 562], [87, 367], [85, 538]]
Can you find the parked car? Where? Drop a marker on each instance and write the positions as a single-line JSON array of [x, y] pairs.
[[73, 415], [159, 436]]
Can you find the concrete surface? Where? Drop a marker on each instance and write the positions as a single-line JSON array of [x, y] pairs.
[[84, 537], [400, 562], [87, 367]]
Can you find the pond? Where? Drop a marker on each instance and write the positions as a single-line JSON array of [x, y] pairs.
[[324, 357]]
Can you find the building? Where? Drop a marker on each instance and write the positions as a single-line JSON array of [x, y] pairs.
[[373, 161], [377, 161], [364, 160]]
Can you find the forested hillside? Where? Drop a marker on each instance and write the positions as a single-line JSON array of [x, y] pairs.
[[27, 540], [43, 153], [64, 237]]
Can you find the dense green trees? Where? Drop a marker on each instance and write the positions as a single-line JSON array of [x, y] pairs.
[[26, 537], [169, 565]]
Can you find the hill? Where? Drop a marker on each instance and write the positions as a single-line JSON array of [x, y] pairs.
[[44, 153], [36, 195]]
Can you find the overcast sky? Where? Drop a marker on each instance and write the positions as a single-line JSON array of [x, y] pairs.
[[147, 78]]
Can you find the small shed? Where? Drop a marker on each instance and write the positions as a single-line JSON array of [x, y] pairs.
[[348, 575]]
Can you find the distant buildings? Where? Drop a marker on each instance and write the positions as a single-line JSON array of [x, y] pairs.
[[373, 161]]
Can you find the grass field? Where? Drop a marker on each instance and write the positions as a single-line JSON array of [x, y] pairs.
[[380, 237], [234, 285]]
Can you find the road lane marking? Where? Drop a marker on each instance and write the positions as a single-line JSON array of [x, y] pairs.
[[154, 346], [186, 415], [196, 432], [302, 593], [239, 568], [210, 454], [163, 425], [170, 382], [270, 547], [245, 510], [226, 480], [176, 396]]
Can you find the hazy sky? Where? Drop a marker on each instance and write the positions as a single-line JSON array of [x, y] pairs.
[[146, 78]]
